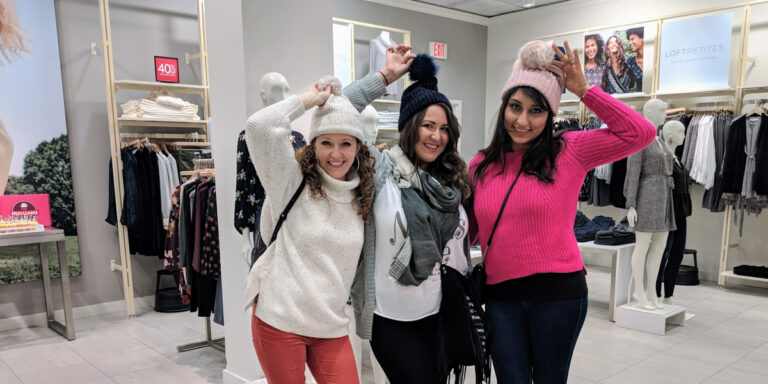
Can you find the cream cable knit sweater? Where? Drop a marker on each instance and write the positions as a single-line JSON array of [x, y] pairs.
[[304, 278]]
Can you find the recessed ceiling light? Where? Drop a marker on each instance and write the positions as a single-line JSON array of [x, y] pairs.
[[529, 3]]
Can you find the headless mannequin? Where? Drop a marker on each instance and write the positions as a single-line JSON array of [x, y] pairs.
[[649, 246], [273, 87], [369, 118], [673, 134]]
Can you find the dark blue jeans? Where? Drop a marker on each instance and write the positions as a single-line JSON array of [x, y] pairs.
[[534, 340]]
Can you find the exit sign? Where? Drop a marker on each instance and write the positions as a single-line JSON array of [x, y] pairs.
[[438, 50]]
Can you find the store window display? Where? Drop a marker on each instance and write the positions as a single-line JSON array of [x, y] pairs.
[[536, 285], [648, 188]]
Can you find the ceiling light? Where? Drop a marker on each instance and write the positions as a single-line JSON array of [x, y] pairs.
[[529, 3]]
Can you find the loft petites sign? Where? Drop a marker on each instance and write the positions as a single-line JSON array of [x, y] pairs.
[[166, 69], [438, 50]]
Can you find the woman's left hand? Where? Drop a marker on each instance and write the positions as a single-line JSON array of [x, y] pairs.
[[398, 62], [574, 75]]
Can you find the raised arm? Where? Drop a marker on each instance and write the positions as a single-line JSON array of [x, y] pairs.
[[364, 91]]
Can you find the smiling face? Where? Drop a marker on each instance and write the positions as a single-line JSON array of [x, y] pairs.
[[613, 46], [636, 43], [590, 49], [524, 120], [336, 153], [433, 135]]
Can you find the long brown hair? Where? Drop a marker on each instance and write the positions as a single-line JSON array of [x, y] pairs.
[[364, 167], [621, 61], [449, 168]]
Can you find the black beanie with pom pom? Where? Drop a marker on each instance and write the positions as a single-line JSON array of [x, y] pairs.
[[423, 92]]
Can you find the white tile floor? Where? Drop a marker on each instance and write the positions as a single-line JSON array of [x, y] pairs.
[[727, 342]]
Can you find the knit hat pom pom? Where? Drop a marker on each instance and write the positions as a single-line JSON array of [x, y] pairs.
[[332, 81], [536, 55], [422, 68]]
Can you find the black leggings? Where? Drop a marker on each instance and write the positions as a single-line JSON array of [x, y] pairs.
[[407, 350]]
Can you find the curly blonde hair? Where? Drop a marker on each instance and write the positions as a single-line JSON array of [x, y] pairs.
[[12, 41], [363, 201]]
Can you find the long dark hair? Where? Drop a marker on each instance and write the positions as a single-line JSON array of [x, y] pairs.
[[599, 58], [621, 61], [449, 168], [539, 158]]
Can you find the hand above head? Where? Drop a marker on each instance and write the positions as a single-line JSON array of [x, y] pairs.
[[398, 62], [315, 97], [574, 75]]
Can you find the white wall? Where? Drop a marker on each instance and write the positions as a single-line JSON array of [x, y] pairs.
[[506, 34]]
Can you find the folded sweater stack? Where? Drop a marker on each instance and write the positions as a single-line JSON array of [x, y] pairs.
[[165, 107]]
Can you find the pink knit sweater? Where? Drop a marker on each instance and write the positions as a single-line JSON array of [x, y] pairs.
[[535, 233]]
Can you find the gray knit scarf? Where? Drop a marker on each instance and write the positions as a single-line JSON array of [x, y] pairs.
[[432, 213]]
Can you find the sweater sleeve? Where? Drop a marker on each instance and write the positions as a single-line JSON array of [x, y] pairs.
[[362, 92], [268, 135], [627, 132]]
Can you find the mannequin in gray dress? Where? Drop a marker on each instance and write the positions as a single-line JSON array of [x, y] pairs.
[[648, 189]]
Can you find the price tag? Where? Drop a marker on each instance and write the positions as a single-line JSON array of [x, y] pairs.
[[166, 69]]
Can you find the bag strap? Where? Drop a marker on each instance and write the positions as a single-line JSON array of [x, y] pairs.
[[504, 204], [287, 209]]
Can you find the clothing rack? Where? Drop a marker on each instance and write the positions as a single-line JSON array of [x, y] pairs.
[[217, 344], [140, 128]]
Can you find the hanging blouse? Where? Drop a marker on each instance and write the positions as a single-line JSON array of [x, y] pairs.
[[210, 263]]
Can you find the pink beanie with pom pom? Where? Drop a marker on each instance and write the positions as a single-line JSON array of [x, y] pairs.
[[534, 69]]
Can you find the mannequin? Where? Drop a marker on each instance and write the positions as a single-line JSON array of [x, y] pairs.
[[273, 87], [648, 189], [673, 135], [370, 120]]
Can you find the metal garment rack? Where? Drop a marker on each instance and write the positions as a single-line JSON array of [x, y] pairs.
[[737, 93], [217, 344], [154, 129]]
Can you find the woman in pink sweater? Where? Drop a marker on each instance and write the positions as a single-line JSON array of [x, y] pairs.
[[536, 286]]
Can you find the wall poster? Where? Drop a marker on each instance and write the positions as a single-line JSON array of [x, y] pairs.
[[615, 60], [695, 53], [34, 145]]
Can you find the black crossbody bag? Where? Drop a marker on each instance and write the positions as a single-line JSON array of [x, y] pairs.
[[260, 246], [478, 275]]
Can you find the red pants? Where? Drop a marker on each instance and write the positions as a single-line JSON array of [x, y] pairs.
[[283, 355]]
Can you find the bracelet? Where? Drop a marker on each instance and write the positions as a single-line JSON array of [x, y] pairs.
[[385, 78]]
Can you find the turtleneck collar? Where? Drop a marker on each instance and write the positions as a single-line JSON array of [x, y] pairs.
[[338, 190]]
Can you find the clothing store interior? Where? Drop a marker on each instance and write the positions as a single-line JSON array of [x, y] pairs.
[[133, 253]]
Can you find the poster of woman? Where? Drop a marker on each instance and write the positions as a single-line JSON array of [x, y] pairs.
[[34, 145], [613, 60]]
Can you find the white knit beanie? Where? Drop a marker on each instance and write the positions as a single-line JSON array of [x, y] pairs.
[[337, 115]]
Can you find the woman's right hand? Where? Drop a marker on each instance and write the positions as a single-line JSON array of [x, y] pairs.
[[398, 63], [315, 97], [575, 81]]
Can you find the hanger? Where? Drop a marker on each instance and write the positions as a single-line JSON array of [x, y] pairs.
[[758, 110]]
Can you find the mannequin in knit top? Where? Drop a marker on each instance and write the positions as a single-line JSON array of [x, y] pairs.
[[273, 87], [649, 246]]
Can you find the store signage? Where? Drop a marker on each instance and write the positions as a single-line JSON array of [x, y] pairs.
[[26, 206], [695, 53], [438, 50], [166, 69]]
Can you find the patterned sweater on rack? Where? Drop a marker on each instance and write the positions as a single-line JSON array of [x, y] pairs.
[[535, 233], [303, 279]]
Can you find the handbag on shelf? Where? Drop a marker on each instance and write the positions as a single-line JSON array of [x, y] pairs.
[[478, 275]]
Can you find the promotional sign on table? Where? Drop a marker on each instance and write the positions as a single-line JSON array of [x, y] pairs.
[[26, 205], [166, 69], [695, 53]]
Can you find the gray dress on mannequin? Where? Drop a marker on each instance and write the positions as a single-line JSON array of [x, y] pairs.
[[648, 187]]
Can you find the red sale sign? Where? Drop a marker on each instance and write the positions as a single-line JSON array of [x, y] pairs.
[[166, 69], [26, 205]]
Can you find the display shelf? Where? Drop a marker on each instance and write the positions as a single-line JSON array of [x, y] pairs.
[[729, 274], [166, 123], [386, 101], [698, 93], [152, 86], [635, 96], [753, 90], [570, 103]]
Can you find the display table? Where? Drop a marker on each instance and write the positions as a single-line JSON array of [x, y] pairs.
[[621, 271], [49, 235]]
